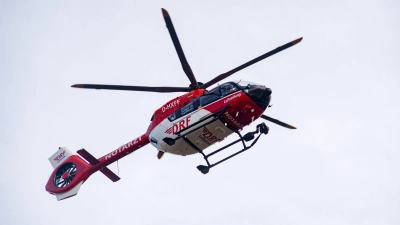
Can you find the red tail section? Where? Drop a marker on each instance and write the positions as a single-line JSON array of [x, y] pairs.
[[71, 170]]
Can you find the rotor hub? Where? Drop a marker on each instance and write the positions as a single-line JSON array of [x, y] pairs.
[[193, 87]]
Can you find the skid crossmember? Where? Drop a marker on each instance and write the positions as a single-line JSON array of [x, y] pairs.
[[261, 129]]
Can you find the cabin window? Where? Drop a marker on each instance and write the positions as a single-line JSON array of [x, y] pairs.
[[211, 96], [190, 107], [187, 109]]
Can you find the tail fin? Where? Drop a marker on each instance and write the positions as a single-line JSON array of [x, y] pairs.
[[60, 156]]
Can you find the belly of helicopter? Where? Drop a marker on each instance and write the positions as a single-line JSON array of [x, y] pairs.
[[200, 136]]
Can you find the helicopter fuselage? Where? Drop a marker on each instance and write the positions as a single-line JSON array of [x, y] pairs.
[[239, 106], [185, 125]]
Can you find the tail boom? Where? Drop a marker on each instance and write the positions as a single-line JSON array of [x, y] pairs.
[[74, 169]]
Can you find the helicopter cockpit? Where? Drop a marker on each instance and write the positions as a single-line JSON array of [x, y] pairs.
[[258, 93]]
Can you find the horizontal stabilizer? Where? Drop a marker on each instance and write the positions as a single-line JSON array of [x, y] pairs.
[[89, 157], [110, 174], [92, 160]]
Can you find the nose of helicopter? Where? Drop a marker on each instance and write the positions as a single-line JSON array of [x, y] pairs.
[[260, 94]]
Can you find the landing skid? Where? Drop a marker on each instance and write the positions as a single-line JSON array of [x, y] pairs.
[[261, 128]]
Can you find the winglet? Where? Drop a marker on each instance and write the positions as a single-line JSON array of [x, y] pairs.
[[278, 122], [297, 41], [164, 12], [290, 127], [78, 86]]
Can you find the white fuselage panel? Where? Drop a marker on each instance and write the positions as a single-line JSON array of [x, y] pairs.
[[200, 135]]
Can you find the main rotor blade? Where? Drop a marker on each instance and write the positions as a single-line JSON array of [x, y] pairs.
[[132, 88], [178, 48], [249, 63], [277, 122]]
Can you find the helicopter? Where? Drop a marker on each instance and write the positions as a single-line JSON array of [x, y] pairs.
[[185, 125]]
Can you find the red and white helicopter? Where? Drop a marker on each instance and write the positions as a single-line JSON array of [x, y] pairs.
[[185, 125]]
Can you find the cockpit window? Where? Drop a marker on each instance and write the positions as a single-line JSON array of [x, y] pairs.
[[245, 84], [214, 91], [227, 89]]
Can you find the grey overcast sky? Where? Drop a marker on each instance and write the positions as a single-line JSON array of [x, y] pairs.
[[339, 86]]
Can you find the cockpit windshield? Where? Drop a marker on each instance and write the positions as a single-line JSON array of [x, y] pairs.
[[245, 84]]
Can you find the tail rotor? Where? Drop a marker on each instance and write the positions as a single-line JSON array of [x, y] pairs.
[[64, 175]]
